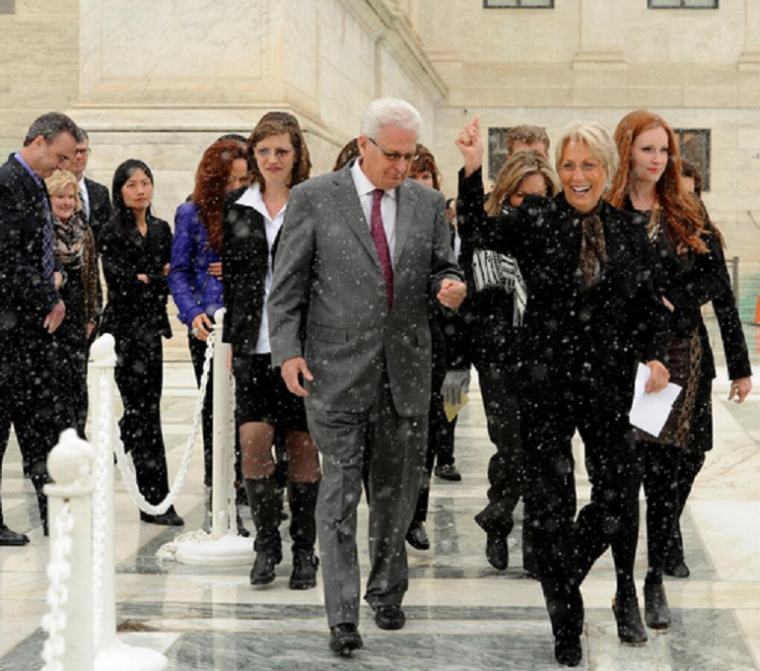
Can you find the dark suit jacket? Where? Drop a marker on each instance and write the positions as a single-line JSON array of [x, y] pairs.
[[245, 256], [572, 333], [26, 296], [100, 207]]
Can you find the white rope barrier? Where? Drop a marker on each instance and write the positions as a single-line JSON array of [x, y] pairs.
[[58, 572], [99, 535]]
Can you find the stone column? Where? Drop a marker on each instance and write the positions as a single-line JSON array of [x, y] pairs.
[[750, 58], [600, 45]]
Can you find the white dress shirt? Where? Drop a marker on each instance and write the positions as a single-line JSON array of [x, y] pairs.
[[84, 197], [252, 198], [388, 205]]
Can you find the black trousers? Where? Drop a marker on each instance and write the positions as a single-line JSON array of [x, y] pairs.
[[30, 401], [139, 376], [73, 352], [566, 547]]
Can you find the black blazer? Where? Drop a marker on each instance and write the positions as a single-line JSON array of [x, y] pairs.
[[26, 296], [245, 256], [134, 306], [572, 333], [100, 207]]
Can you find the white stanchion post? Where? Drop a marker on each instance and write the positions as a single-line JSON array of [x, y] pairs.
[[70, 466], [104, 361], [112, 654], [221, 524], [225, 547]]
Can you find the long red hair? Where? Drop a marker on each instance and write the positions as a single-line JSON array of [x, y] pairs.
[[684, 221], [211, 181]]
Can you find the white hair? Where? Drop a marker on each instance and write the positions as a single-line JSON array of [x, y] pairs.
[[390, 112], [599, 140]]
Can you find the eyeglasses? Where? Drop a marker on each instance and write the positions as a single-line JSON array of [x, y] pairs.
[[82, 152], [394, 156]]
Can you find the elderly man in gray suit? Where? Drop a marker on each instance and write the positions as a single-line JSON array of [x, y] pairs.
[[361, 252]]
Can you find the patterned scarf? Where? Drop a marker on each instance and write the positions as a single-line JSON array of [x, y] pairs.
[[69, 240], [593, 256]]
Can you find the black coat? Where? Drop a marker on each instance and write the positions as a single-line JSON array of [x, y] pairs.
[[132, 304], [571, 333], [26, 296], [245, 256], [100, 207]]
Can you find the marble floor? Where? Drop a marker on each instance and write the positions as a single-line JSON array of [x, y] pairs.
[[462, 614]]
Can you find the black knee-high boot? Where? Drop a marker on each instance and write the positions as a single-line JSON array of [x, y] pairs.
[[302, 498], [265, 512]]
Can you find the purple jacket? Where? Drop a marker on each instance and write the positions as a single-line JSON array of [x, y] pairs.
[[193, 288]]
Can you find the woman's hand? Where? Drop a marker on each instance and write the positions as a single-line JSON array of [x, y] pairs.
[[57, 280], [90, 329], [668, 304], [143, 278], [470, 143], [165, 270], [659, 378], [202, 326], [740, 389], [215, 269]]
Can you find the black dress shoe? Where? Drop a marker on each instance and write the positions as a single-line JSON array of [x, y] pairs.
[[448, 472], [497, 552], [11, 538], [656, 609], [389, 617], [630, 628], [417, 536], [568, 652], [677, 570], [344, 639], [168, 519]]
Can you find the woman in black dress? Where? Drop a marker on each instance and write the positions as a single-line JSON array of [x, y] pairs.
[[75, 249], [252, 219], [590, 301], [136, 249], [690, 272]]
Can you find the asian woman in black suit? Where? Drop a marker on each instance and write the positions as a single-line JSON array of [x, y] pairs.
[[136, 249], [279, 160]]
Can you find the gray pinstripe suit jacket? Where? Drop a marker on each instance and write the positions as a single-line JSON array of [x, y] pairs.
[[328, 299]]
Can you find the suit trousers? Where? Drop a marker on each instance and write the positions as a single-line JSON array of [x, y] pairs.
[[389, 451], [139, 377], [30, 401], [566, 548]]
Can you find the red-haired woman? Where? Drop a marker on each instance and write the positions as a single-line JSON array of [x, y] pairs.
[[195, 278], [689, 274], [252, 220]]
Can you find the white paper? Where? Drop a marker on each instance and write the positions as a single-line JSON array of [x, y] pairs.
[[649, 412]]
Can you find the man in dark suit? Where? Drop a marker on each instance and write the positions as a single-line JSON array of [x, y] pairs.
[[96, 203], [361, 251], [31, 308]]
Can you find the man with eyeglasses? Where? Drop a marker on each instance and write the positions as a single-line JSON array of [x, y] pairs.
[[361, 253], [31, 309], [96, 203]]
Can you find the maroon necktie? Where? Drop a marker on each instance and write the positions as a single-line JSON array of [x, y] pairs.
[[381, 244]]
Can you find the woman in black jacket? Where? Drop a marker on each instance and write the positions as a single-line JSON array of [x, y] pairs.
[[690, 272], [497, 308], [136, 249], [585, 265], [252, 219]]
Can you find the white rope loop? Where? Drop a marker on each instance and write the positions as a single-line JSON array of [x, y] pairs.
[[127, 471], [58, 571]]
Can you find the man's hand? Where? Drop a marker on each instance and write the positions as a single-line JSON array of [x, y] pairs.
[[143, 278], [470, 143], [215, 269], [740, 389], [202, 326], [290, 371], [456, 383], [54, 319], [452, 293], [659, 378]]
